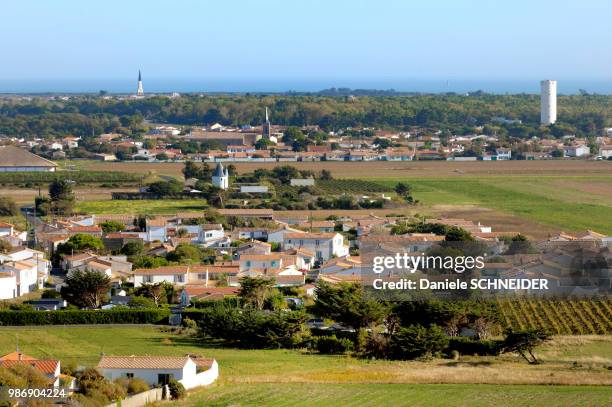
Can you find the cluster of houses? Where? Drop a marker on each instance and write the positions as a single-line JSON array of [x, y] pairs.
[[293, 249], [239, 144]]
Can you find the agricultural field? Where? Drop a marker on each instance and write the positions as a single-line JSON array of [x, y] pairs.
[[574, 370], [537, 198], [565, 317], [555, 201], [144, 206]]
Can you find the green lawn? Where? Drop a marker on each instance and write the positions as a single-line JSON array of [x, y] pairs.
[[557, 201], [145, 206], [290, 377]]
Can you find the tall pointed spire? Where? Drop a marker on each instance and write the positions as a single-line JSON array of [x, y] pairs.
[[266, 130], [140, 90]]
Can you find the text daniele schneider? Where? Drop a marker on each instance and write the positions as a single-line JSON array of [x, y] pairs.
[[404, 262]]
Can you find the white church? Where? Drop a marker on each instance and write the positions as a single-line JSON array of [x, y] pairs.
[[220, 177]]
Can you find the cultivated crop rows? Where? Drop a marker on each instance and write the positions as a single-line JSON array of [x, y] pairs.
[[576, 317]]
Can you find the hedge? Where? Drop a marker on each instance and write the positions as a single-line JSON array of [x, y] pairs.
[[76, 176], [469, 346], [73, 317]]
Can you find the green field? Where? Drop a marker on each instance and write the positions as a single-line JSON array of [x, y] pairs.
[[376, 395], [144, 206], [570, 203], [574, 371]]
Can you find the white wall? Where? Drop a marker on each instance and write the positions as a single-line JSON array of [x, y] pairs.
[[8, 288], [202, 379]]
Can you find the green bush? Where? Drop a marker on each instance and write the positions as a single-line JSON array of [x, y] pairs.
[[137, 385], [332, 345], [72, 317], [416, 341], [470, 346], [177, 390]]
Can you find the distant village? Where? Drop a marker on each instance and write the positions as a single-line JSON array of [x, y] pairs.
[[269, 143]]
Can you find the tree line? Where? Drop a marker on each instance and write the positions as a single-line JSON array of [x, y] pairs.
[[87, 116]]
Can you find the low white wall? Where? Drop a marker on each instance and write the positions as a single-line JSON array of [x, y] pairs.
[[202, 379], [141, 399]]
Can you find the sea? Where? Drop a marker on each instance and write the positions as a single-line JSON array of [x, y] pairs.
[[195, 85]]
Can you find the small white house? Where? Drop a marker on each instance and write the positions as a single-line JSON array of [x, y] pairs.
[[176, 275], [576, 151], [159, 370], [323, 245], [503, 154]]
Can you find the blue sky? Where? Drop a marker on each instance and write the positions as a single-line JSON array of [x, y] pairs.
[[307, 39]]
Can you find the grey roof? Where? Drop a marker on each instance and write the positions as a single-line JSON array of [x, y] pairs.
[[219, 171], [11, 156]]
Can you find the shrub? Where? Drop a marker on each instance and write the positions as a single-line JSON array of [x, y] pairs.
[[177, 390], [332, 345], [470, 346], [137, 385], [417, 341]]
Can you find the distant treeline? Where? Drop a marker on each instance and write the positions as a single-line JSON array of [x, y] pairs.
[[87, 116]]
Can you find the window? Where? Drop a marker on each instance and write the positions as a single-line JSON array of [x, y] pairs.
[[147, 279], [129, 375], [319, 254], [248, 263], [201, 276], [179, 279], [273, 263], [316, 242]]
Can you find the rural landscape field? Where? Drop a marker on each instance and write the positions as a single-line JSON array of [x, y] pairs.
[[536, 197], [574, 371], [317, 203]]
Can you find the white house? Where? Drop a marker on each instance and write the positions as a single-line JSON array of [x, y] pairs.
[[156, 229], [323, 245], [261, 262], [503, 154], [159, 370], [8, 286], [580, 150], [26, 276], [605, 151], [176, 275]]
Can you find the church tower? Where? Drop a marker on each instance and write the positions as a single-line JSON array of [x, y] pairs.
[[220, 177], [140, 91], [266, 130]]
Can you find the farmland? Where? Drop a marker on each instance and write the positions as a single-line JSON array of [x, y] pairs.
[[537, 198], [573, 373], [568, 317]]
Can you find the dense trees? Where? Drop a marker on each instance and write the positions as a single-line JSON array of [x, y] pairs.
[[86, 288], [84, 116], [80, 242]]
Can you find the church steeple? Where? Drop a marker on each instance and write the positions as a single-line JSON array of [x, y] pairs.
[[140, 90], [266, 127]]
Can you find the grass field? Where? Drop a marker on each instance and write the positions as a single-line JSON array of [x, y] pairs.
[[288, 377], [563, 202]]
